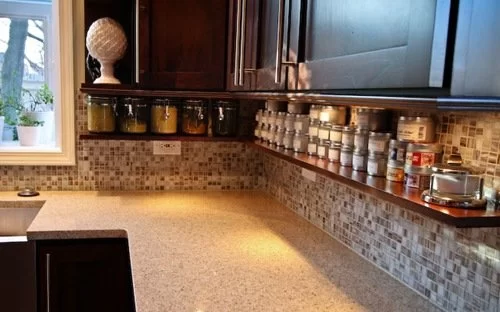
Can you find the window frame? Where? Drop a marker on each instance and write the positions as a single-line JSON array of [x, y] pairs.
[[63, 88]]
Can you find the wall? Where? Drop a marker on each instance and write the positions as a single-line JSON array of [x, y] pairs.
[[456, 269]]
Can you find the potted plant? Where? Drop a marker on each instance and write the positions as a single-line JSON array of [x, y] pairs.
[[40, 107], [29, 130]]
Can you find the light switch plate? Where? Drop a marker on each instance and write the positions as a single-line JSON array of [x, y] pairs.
[[166, 147], [308, 174]]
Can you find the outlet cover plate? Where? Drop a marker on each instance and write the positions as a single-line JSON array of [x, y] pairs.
[[166, 147]]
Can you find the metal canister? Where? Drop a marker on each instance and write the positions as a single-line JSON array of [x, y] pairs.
[[280, 120], [348, 136], [361, 139], [395, 171], [346, 156], [300, 141], [373, 119], [336, 133], [334, 151], [416, 180], [378, 142], [423, 155], [324, 131], [333, 114], [289, 121], [280, 135], [377, 165], [416, 129], [312, 146], [359, 160], [323, 149], [397, 151], [313, 127], [288, 139], [301, 123]]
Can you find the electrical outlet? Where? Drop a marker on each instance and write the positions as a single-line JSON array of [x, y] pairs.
[[166, 147]]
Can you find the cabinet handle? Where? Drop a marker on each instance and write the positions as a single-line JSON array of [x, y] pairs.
[[47, 280], [237, 44], [241, 74], [138, 6], [279, 41]]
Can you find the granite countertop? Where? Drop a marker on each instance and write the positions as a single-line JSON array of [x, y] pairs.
[[223, 251]]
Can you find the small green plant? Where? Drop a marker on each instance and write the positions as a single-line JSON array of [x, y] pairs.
[[42, 100], [27, 121]]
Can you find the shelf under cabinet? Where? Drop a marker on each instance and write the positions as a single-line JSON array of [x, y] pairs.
[[153, 137], [393, 192]]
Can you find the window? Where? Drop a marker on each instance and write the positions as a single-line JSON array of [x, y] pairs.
[[35, 45]]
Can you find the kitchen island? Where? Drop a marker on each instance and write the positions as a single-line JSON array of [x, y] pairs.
[[223, 251]]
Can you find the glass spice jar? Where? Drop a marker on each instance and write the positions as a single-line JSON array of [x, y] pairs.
[[334, 151], [224, 118], [133, 115], [194, 117], [101, 114], [300, 141], [164, 116], [288, 139]]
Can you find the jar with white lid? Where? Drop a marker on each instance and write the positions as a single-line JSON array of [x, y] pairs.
[[323, 147], [279, 136], [361, 139], [346, 154], [336, 133], [280, 120], [271, 138], [348, 136], [359, 160], [288, 139], [324, 131], [301, 123], [397, 151], [378, 142], [334, 151], [265, 115], [312, 146], [290, 122], [313, 128], [271, 119], [377, 165], [300, 141]]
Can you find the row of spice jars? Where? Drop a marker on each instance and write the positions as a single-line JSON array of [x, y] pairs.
[[161, 116]]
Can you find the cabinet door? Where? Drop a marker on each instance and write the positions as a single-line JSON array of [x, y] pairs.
[[476, 69], [84, 275], [374, 44], [182, 44]]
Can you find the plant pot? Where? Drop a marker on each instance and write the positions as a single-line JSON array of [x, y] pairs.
[[29, 136], [48, 129]]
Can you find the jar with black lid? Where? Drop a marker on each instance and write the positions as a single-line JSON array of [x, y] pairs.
[[164, 116], [101, 114], [133, 115], [224, 118], [194, 117]]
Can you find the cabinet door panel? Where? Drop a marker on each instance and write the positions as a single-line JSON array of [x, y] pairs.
[[182, 44], [84, 276], [368, 44]]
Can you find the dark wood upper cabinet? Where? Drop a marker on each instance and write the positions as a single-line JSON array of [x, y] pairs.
[[338, 44], [259, 43], [182, 44], [84, 275], [373, 44]]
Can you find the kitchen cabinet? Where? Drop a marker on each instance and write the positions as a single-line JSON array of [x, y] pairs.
[[84, 275], [476, 69], [259, 44], [339, 44], [182, 44], [373, 44]]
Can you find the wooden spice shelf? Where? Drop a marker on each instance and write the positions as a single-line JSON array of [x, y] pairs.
[[393, 192], [156, 137]]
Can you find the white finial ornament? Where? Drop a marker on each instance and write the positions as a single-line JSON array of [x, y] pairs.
[[106, 42]]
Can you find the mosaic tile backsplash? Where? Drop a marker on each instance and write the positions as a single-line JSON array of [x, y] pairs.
[[456, 269]]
